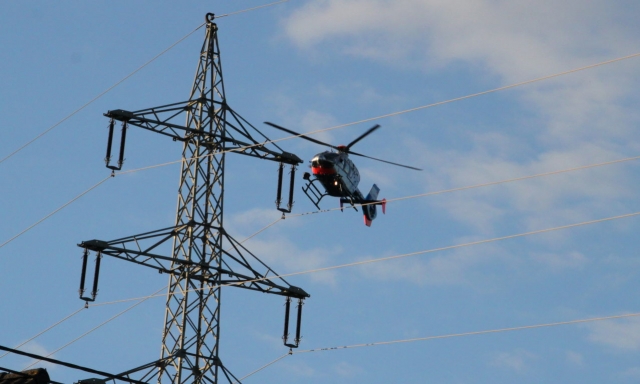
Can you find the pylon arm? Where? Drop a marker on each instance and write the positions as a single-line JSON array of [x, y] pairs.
[[141, 249], [159, 120]]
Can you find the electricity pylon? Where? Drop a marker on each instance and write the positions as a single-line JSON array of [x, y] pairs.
[[204, 256]]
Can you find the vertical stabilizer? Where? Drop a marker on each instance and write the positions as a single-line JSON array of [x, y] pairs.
[[369, 207]]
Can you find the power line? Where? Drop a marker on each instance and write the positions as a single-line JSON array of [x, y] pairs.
[[263, 367], [373, 261], [388, 115], [241, 149], [433, 250], [452, 335], [126, 78], [45, 331], [69, 365], [142, 299], [21, 374], [93, 329], [54, 212], [317, 131], [582, 167], [447, 336], [465, 97], [100, 95], [404, 255], [252, 9], [334, 209]]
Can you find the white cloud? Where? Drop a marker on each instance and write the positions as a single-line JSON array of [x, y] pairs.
[[284, 256], [345, 369], [576, 120], [461, 266], [251, 221], [561, 262], [300, 369], [632, 373], [536, 203], [275, 250], [518, 360], [623, 334], [515, 39], [290, 114], [38, 349], [575, 358]]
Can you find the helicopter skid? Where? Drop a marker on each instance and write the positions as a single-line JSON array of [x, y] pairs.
[[312, 191]]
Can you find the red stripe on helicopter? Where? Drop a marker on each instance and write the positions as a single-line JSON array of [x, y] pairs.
[[323, 171]]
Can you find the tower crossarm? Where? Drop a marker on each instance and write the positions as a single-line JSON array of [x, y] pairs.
[[144, 249], [159, 120]]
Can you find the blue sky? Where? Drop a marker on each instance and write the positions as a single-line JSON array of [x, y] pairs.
[[311, 65]]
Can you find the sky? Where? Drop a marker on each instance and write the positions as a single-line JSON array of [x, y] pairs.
[[313, 65]]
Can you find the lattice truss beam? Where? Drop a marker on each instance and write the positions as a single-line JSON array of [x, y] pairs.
[[162, 120], [237, 261]]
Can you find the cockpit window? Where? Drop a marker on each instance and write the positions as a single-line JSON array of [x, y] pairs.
[[325, 160], [331, 156]]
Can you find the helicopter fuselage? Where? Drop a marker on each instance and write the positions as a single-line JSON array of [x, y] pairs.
[[339, 177], [337, 174]]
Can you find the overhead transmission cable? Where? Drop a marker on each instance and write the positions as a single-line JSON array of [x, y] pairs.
[[241, 149], [447, 336], [464, 334], [404, 255], [491, 183], [361, 121], [251, 9], [45, 331], [308, 133], [101, 94], [72, 366], [450, 247], [127, 77], [363, 262], [141, 300], [55, 211], [472, 95], [261, 368], [334, 209], [92, 329]]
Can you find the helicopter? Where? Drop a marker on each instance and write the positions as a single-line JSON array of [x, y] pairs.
[[339, 177]]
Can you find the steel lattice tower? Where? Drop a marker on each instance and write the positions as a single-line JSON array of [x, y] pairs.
[[192, 323], [202, 251]]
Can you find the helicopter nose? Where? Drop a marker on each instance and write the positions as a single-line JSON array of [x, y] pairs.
[[322, 161]]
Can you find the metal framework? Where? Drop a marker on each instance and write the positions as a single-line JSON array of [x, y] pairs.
[[204, 256]]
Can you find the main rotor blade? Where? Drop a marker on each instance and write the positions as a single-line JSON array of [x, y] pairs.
[[300, 135], [363, 135], [385, 161]]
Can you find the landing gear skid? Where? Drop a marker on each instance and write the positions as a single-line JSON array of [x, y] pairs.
[[315, 194], [347, 200], [312, 191]]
